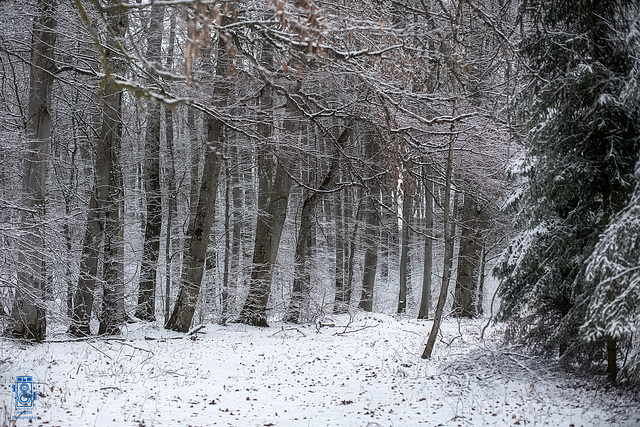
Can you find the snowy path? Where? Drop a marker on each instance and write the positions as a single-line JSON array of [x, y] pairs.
[[304, 376]]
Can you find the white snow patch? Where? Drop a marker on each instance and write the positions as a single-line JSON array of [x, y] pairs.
[[358, 371]]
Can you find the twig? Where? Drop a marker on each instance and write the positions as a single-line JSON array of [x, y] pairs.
[[354, 330], [195, 330], [283, 329]]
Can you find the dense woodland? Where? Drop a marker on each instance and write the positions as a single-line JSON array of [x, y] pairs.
[[187, 161]]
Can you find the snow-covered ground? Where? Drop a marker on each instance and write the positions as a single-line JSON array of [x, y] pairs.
[[363, 370]]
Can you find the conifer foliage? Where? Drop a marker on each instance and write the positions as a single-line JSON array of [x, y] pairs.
[[581, 127]]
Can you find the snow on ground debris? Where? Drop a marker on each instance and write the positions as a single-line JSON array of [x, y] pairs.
[[363, 370]]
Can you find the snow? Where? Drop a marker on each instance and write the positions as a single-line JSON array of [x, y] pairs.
[[363, 369]]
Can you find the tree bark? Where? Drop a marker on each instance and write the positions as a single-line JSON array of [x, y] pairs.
[[612, 355], [112, 315], [342, 298], [301, 277], [425, 302], [194, 186], [449, 236], [407, 206], [101, 198], [268, 233], [199, 227], [469, 259], [371, 239], [28, 315], [171, 177], [146, 309]]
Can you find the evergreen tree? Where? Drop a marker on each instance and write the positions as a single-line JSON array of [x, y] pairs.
[[614, 270], [582, 145]]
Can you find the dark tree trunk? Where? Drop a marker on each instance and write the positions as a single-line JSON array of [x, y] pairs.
[[146, 309], [200, 223], [469, 259], [425, 302], [102, 199], [171, 177], [301, 277], [342, 296], [612, 364], [227, 247], [112, 315], [194, 186], [371, 236], [449, 236], [268, 233], [351, 244], [28, 315], [407, 207]]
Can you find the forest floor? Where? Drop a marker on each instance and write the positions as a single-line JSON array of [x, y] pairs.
[[363, 370]]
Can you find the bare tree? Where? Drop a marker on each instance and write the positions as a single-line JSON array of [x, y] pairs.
[[103, 197], [151, 248], [199, 228], [28, 315]]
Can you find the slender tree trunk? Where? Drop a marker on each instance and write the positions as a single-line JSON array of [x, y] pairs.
[[200, 224], [227, 247], [273, 199], [449, 236], [171, 177], [407, 206], [479, 296], [612, 365], [268, 233], [194, 162], [112, 315], [301, 277], [238, 219], [371, 240], [101, 199], [352, 244], [341, 299], [425, 302], [66, 228], [28, 315], [146, 309]]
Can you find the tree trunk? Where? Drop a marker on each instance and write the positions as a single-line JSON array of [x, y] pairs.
[[407, 206], [101, 198], [425, 302], [612, 355], [342, 298], [268, 233], [227, 246], [112, 315], [238, 220], [449, 236], [479, 296], [171, 177], [301, 277], [194, 186], [28, 315], [371, 238], [200, 224], [469, 259], [146, 309], [273, 199], [352, 243]]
